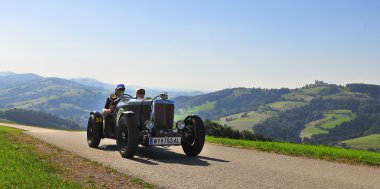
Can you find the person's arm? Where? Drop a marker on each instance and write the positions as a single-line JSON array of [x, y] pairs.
[[106, 108]]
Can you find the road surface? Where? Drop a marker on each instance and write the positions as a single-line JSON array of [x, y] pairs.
[[216, 166]]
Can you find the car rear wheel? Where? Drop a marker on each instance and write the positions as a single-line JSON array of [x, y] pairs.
[[127, 136], [93, 132], [195, 139]]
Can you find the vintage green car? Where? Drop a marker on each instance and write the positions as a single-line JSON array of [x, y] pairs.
[[148, 123]]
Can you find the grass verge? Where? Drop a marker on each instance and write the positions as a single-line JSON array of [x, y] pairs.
[[30, 163], [21, 168], [303, 150]]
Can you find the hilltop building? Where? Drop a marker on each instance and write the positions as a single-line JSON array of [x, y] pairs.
[[320, 83]]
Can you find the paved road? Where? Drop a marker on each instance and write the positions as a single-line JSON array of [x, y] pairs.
[[217, 166]]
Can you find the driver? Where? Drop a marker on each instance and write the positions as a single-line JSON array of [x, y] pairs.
[[119, 90]]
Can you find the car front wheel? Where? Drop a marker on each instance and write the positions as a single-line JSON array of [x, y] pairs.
[[127, 136], [195, 139]]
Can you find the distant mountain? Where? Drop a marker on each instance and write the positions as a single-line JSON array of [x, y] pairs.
[[131, 89], [7, 73], [70, 99], [8, 79], [93, 83], [36, 118], [56, 96]]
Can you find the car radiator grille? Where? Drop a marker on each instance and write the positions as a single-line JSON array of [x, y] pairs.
[[164, 115]]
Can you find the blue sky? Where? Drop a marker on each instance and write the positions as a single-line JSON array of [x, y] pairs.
[[205, 45]]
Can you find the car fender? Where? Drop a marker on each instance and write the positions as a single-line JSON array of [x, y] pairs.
[[192, 116], [96, 114], [98, 119]]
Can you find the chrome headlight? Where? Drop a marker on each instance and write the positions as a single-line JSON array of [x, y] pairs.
[[181, 125], [149, 125]]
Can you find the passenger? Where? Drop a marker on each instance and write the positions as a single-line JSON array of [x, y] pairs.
[[140, 94], [109, 107]]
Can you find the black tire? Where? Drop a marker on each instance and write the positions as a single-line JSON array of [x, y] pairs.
[[127, 136], [195, 141], [93, 132]]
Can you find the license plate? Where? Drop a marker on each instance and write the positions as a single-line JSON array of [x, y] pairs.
[[161, 141]]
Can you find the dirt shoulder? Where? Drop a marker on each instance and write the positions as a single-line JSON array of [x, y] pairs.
[[75, 168]]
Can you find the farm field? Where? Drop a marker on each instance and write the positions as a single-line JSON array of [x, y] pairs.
[[295, 96], [364, 143], [331, 119], [286, 105], [245, 121], [181, 115]]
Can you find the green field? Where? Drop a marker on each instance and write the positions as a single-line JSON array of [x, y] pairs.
[[331, 119], [297, 96], [246, 123], [286, 105], [318, 152], [194, 110], [311, 129], [306, 95], [252, 118], [21, 168], [371, 141], [314, 91], [345, 94]]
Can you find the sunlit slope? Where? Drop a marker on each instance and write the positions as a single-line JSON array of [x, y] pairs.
[[365, 143]]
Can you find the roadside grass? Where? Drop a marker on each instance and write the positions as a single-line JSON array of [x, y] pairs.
[[62, 165], [20, 167], [318, 152], [371, 141]]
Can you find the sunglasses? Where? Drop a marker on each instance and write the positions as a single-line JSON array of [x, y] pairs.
[[121, 89]]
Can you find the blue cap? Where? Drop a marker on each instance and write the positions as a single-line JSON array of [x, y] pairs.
[[120, 86]]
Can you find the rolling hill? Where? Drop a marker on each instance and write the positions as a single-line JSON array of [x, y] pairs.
[[318, 114], [56, 96], [70, 99], [327, 114], [229, 101], [370, 142], [37, 118]]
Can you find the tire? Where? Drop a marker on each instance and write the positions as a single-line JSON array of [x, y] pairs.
[[195, 141], [127, 136], [93, 132]]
